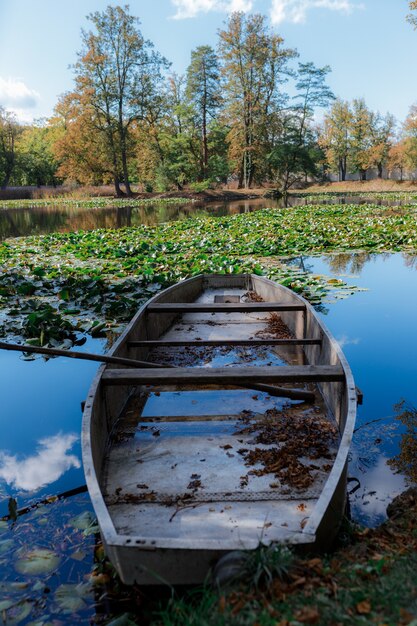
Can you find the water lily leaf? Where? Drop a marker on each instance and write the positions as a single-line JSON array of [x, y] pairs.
[[3, 526], [16, 612], [70, 598], [82, 521], [6, 604], [37, 561], [5, 545]]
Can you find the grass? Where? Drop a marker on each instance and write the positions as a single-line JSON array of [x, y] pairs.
[[370, 581]]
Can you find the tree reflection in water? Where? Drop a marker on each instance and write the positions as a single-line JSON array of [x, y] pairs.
[[405, 462]]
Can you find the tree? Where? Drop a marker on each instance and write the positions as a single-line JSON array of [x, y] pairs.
[[398, 158], [9, 132], [253, 65], [412, 17], [381, 130], [37, 163], [117, 75], [203, 92], [296, 152], [335, 138], [81, 151], [360, 137]]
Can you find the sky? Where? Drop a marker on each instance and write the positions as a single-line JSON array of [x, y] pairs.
[[369, 45]]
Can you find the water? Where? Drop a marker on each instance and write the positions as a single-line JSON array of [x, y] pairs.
[[40, 421], [377, 331], [21, 222], [41, 414]]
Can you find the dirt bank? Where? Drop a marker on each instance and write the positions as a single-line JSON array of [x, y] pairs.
[[364, 186]]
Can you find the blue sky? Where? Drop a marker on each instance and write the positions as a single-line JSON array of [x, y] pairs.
[[368, 44]]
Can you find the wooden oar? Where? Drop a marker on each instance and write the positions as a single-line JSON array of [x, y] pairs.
[[86, 356], [282, 392]]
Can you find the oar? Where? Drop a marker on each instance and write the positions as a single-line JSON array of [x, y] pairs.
[[86, 356], [282, 392]]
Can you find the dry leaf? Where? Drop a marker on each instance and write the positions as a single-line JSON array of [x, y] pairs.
[[308, 615], [364, 607]]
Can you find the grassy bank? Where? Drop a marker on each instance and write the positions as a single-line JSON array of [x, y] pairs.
[[370, 580]]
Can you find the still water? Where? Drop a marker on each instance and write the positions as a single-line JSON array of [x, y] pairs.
[[40, 419], [40, 415], [21, 222]]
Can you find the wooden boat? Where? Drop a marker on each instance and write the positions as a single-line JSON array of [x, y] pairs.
[[192, 458]]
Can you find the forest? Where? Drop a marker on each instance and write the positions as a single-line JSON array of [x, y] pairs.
[[244, 114]]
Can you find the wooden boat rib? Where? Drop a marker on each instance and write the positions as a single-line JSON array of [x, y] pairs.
[[176, 457]]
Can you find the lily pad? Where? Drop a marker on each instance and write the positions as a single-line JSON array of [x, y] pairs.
[[71, 598], [37, 561], [5, 545], [16, 612], [83, 520]]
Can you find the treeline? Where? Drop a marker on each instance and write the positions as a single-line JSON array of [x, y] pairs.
[[245, 112]]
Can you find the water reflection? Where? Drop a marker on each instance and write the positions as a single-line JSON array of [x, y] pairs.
[[21, 222], [379, 335], [50, 461]]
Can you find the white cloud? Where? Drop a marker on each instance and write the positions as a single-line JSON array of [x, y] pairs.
[[46, 466], [15, 95], [191, 8], [344, 340], [295, 11]]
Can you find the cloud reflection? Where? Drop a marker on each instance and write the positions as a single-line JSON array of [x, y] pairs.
[[49, 462], [344, 340], [380, 486]]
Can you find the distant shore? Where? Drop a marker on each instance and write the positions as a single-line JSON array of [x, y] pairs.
[[224, 194]]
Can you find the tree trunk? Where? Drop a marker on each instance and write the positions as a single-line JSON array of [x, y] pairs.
[[379, 166], [205, 144], [116, 181], [362, 174], [126, 173], [342, 169], [5, 181], [8, 169]]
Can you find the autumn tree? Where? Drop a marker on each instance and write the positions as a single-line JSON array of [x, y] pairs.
[[253, 64], [10, 130], [412, 17], [80, 150], [381, 129], [117, 75], [360, 141], [398, 158], [335, 137]]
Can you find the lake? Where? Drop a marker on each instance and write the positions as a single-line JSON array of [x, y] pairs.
[[40, 418], [20, 222]]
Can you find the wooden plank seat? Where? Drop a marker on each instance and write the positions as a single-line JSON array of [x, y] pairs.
[[224, 375], [153, 343], [218, 307]]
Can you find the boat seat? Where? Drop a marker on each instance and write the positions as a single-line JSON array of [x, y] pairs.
[[217, 307], [224, 375], [223, 342]]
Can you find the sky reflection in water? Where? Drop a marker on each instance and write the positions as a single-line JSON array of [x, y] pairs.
[[378, 332], [40, 415]]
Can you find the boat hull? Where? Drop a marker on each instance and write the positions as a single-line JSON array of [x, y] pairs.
[[184, 548]]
